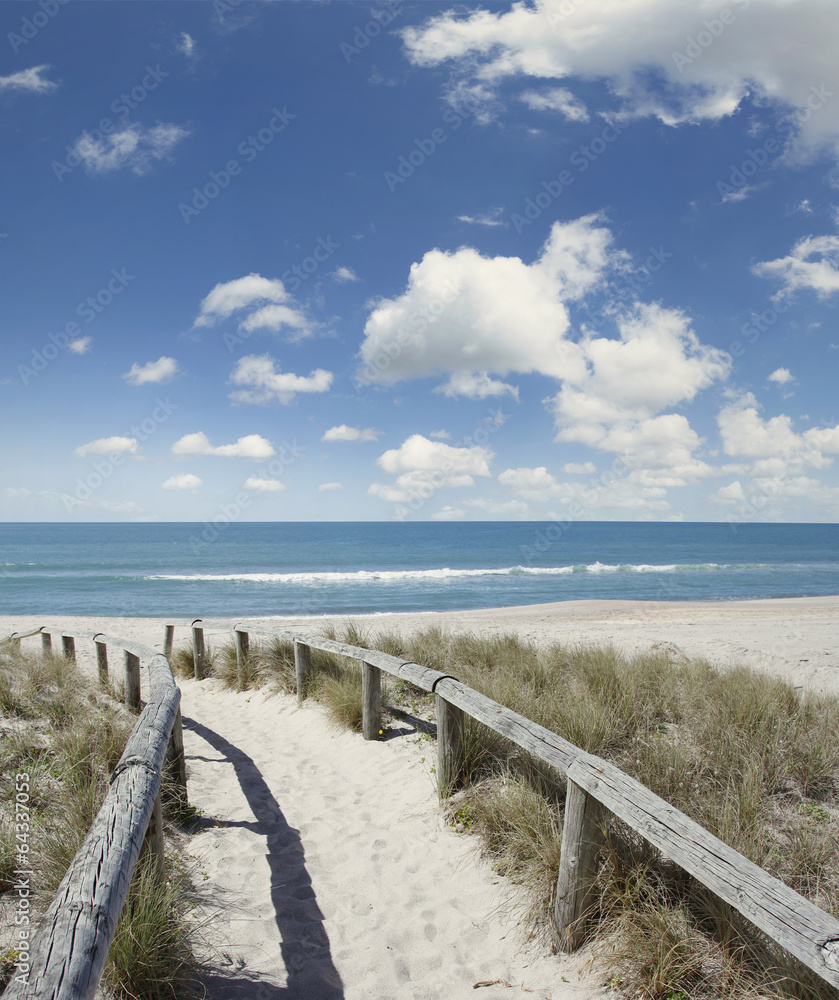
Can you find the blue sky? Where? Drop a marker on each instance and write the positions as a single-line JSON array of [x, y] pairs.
[[568, 259]]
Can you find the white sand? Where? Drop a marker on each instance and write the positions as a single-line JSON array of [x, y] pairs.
[[328, 866]]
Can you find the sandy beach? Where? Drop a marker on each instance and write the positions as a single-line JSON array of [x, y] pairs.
[[325, 859]]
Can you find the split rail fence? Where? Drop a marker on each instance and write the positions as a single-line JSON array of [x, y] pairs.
[[73, 939], [594, 786], [70, 944]]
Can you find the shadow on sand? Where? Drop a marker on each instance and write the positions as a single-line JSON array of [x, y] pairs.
[[304, 945]]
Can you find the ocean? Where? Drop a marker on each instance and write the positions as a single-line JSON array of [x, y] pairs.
[[278, 568]]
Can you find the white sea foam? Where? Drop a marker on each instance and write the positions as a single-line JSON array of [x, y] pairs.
[[430, 575]]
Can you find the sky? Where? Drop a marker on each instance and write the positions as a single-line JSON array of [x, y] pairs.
[[546, 260]]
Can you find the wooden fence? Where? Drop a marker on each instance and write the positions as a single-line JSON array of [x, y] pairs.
[[594, 785], [70, 943]]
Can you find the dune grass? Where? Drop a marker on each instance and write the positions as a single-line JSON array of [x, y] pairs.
[[68, 735], [744, 755]]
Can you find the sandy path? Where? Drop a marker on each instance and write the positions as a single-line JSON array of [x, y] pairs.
[[328, 865]]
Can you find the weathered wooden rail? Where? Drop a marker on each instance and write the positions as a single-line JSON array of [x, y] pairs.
[[594, 786], [70, 944]]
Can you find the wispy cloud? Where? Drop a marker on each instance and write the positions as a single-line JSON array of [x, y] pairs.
[[185, 45], [133, 146], [30, 80]]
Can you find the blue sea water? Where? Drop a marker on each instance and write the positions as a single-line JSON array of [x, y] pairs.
[[195, 570]]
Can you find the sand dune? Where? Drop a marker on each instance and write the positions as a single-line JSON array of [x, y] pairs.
[[329, 870]]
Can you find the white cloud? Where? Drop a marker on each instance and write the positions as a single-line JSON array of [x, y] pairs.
[[781, 376], [439, 434], [614, 402], [264, 485], [418, 483], [30, 80], [186, 481], [272, 306], [423, 466], [448, 514], [153, 371], [579, 469], [230, 296], [81, 345], [270, 385], [326, 487], [133, 146], [490, 314], [344, 433], [418, 453], [731, 494], [641, 51], [185, 45], [343, 274], [490, 218], [739, 194], [274, 318], [531, 484], [775, 448], [612, 491], [250, 446], [477, 385], [106, 446], [797, 270], [560, 100]]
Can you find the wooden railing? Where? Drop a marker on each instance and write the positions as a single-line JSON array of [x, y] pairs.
[[70, 944], [594, 785]]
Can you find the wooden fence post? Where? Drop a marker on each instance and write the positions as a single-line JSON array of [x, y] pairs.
[[132, 682], [102, 661], [199, 665], [371, 700], [449, 746], [46, 643], [176, 763], [153, 841], [242, 648], [68, 647], [302, 667], [582, 833], [169, 641]]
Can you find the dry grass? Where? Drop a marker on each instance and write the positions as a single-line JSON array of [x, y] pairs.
[[68, 735], [182, 661], [745, 756], [742, 754]]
